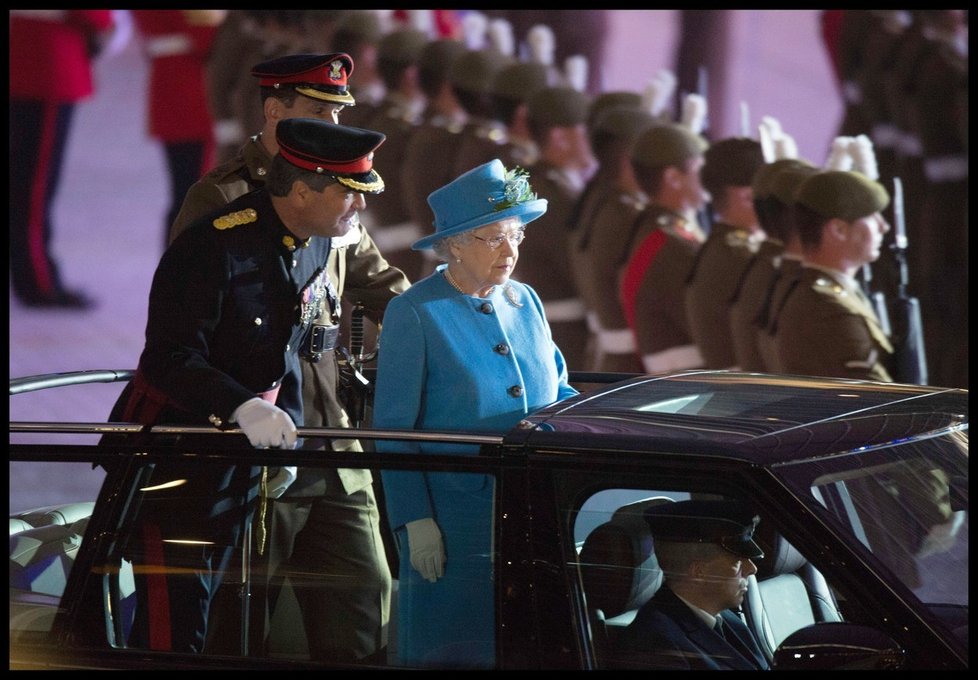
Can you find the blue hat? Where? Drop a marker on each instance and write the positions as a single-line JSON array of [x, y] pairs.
[[729, 524], [481, 196]]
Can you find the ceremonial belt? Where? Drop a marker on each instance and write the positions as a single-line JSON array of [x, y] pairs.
[[568, 309], [399, 236], [170, 45], [617, 341], [673, 359]]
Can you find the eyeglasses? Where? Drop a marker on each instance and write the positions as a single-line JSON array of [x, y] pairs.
[[515, 238]]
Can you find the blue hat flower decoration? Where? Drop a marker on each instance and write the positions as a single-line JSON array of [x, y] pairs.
[[486, 194]]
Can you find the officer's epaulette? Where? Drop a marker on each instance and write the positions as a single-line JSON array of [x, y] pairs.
[[234, 219], [827, 286], [738, 238]]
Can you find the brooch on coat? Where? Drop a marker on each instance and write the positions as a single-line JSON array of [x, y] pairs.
[[512, 297]]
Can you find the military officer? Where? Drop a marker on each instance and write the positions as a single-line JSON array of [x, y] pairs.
[[556, 124], [316, 86], [667, 161], [436, 136], [729, 168], [600, 242], [826, 326], [222, 345]]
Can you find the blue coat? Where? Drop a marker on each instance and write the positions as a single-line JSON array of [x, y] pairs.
[[449, 361]]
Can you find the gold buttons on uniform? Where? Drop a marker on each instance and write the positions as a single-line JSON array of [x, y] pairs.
[[214, 420], [258, 321]]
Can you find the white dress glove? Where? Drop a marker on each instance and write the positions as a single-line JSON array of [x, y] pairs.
[[282, 480], [265, 424], [427, 548]]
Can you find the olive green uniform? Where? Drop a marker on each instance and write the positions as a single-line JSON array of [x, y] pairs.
[[748, 311], [600, 250], [720, 264], [543, 264], [826, 327], [653, 291], [788, 271]]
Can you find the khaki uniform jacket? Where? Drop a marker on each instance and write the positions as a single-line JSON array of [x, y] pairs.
[[544, 264], [481, 141], [653, 292], [386, 214], [788, 271], [427, 165], [748, 313], [601, 249], [720, 264], [355, 266], [827, 329]]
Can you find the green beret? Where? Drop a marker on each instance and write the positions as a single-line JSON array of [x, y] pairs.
[[475, 70], [402, 47], [518, 81], [764, 177], [843, 195], [623, 122], [438, 56], [786, 183], [731, 162], [613, 99], [667, 145], [558, 106], [356, 27]]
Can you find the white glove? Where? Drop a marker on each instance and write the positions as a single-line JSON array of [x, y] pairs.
[[427, 548], [282, 480], [265, 424]]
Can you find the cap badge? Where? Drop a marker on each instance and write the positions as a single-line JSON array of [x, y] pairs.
[[336, 70], [234, 219]]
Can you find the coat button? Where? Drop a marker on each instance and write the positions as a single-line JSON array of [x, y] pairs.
[[502, 348], [258, 321], [295, 263], [486, 308], [215, 420], [515, 391]]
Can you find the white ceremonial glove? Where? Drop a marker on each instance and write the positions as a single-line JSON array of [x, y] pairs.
[[265, 424], [427, 548], [282, 480]]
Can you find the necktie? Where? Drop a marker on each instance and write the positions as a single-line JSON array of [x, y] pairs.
[[718, 627]]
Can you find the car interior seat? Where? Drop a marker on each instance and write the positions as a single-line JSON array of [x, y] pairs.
[[786, 594], [619, 573]]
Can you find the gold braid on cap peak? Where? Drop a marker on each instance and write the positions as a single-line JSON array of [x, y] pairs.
[[516, 190]]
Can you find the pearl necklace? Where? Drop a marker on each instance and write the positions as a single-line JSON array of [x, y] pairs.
[[452, 282]]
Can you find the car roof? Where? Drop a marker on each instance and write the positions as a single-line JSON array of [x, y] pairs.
[[759, 418]]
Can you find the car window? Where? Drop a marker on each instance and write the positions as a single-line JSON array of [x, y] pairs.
[[152, 555]]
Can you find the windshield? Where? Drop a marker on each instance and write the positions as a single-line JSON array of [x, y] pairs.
[[907, 504]]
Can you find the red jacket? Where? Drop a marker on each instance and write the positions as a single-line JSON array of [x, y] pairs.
[[51, 52], [177, 44]]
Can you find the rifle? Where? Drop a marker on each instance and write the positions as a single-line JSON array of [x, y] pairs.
[[877, 300], [909, 360], [354, 387]]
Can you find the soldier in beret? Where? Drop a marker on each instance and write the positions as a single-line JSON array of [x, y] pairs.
[[556, 123], [667, 160], [436, 136], [358, 33], [472, 76], [397, 115], [749, 309], [706, 551], [315, 86], [721, 262], [826, 325], [222, 347], [602, 225]]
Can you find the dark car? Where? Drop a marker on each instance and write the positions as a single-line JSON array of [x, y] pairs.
[[861, 489]]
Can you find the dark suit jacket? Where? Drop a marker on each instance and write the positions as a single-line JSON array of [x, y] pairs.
[[666, 633]]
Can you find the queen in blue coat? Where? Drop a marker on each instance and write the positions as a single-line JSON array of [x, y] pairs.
[[468, 349]]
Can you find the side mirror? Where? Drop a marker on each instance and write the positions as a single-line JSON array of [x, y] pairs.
[[839, 646]]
